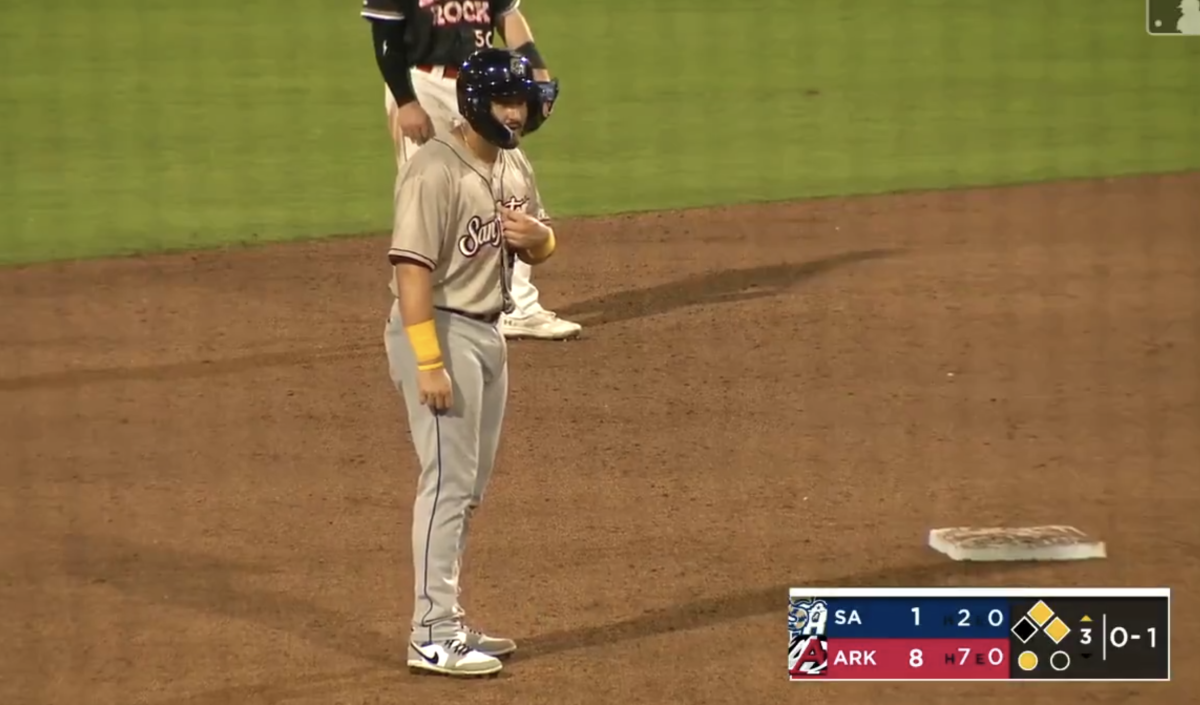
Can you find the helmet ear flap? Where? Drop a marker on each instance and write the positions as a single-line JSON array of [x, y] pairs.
[[541, 104]]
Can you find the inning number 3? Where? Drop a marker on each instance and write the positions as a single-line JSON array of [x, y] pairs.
[[483, 38]]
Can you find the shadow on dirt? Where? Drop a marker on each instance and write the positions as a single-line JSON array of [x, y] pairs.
[[753, 603], [162, 576], [727, 286], [191, 369]]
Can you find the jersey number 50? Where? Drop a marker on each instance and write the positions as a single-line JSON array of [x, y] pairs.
[[483, 38]]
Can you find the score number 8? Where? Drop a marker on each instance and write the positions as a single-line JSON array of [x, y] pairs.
[[916, 658]]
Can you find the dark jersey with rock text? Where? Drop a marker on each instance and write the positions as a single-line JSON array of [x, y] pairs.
[[442, 32]]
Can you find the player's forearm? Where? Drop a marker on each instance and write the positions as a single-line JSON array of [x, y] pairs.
[[519, 37], [414, 284], [537, 255], [388, 38], [516, 30]]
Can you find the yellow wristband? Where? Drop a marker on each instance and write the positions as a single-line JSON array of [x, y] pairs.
[[543, 253], [423, 337]]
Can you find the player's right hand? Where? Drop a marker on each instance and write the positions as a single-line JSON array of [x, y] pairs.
[[435, 390], [413, 122], [522, 230]]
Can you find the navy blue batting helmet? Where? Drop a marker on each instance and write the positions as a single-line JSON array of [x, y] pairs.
[[491, 74]]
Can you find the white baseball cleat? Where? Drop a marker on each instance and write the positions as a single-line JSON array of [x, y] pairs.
[[490, 645], [451, 657], [543, 325]]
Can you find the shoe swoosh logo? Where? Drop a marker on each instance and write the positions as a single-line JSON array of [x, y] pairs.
[[431, 659]]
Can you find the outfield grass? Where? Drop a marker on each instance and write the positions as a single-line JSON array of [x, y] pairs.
[[130, 125]]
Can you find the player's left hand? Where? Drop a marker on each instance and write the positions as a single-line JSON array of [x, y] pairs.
[[522, 231]]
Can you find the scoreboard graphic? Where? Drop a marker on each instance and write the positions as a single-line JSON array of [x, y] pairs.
[[980, 634]]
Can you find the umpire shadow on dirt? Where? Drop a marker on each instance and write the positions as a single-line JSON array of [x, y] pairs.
[[753, 603], [189, 369], [158, 575], [728, 286]]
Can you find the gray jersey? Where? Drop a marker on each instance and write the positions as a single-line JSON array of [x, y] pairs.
[[448, 218]]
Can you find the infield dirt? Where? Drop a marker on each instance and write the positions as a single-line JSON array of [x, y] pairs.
[[207, 476]]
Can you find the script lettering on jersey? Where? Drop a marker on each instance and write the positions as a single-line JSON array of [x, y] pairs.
[[480, 232], [489, 231], [452, 12]]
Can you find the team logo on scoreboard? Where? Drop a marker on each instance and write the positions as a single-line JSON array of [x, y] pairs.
[[807, 652]]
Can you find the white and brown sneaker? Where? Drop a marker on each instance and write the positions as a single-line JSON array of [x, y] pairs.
[[490, 645], [543, 325], [452, 657]]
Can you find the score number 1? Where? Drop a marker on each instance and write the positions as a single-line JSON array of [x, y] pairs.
[[994, 618]]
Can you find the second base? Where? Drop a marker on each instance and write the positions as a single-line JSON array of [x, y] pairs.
[[1030, 543]]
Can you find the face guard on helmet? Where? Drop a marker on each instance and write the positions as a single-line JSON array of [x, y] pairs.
[[497, 74]]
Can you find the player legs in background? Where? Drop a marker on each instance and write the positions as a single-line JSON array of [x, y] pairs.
[[438, 95], [529, 319]]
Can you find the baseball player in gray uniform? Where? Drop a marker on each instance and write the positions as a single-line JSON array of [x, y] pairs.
[[467, 205]]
